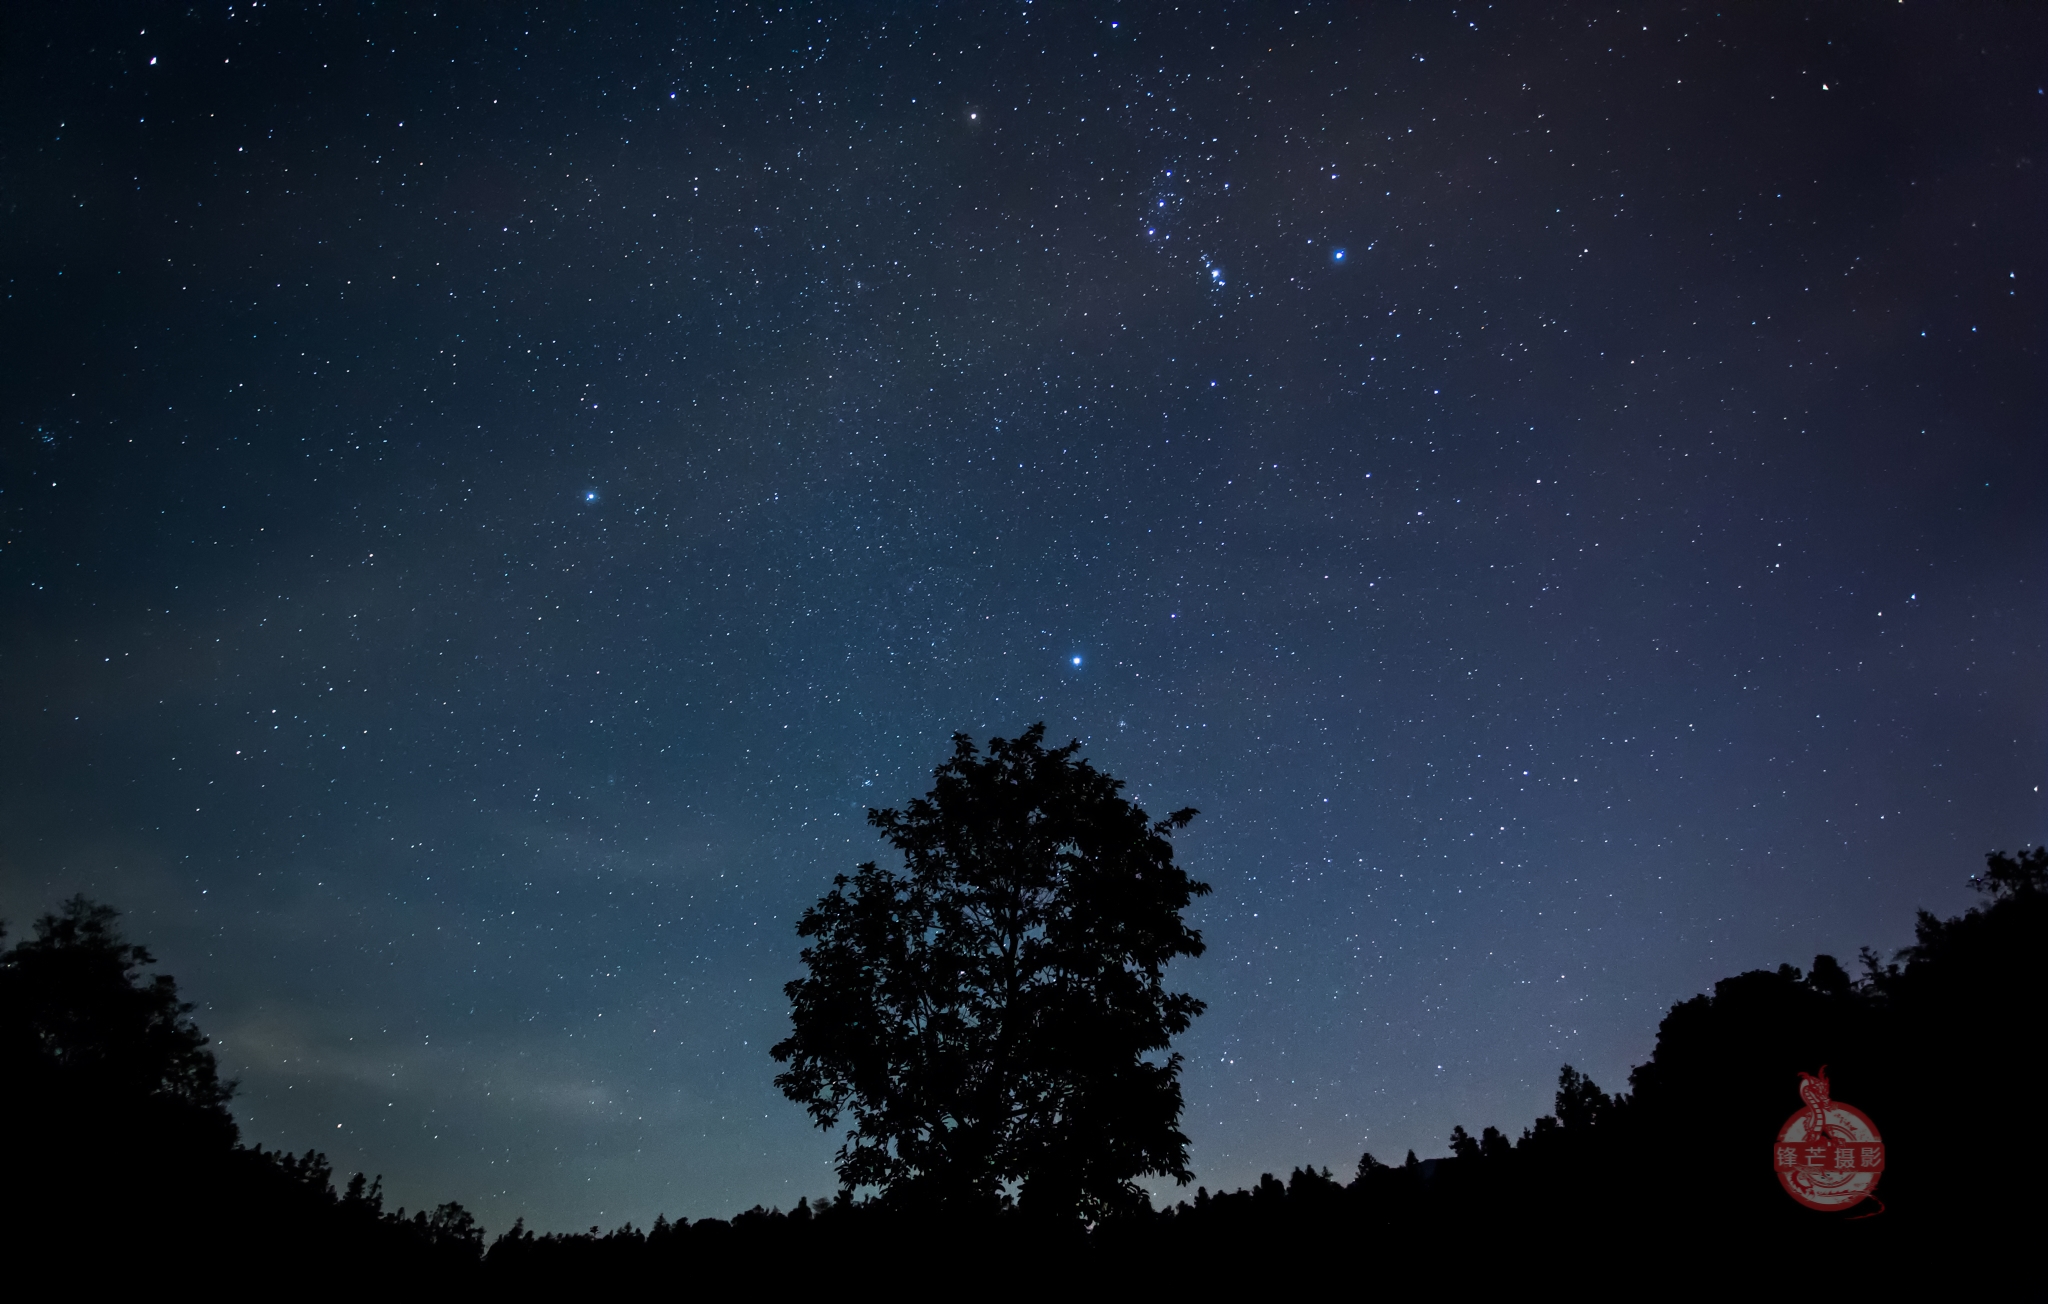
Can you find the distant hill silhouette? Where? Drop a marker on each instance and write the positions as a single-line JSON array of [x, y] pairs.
[[119, 1143]]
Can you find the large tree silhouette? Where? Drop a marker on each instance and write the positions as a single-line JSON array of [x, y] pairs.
[[989, 1017], [85, 1034], [118, 1141]]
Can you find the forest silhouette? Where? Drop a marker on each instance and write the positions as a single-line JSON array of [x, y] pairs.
[[123, 1157]]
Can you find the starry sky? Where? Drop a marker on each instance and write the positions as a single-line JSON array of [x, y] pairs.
[[489, 498]]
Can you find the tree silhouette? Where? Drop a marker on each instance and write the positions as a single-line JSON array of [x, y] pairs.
[[116, 1129], [984, 1017], [1580, 1102], [2007, 877], [85, 1033]]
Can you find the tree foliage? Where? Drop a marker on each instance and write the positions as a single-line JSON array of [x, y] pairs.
[[116, 1116], [990, 1016], [83, 1029]]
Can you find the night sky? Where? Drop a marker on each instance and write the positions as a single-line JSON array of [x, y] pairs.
[[487, 501]]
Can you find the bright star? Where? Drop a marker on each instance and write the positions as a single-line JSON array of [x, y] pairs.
[[1337, 257], [590, 495], [1077, 661]]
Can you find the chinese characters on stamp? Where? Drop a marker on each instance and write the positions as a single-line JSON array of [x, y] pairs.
[[1828, 1155]]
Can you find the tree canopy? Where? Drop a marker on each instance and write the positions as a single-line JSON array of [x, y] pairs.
[[118, 1134], [84, 1030], [989, 1018]]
